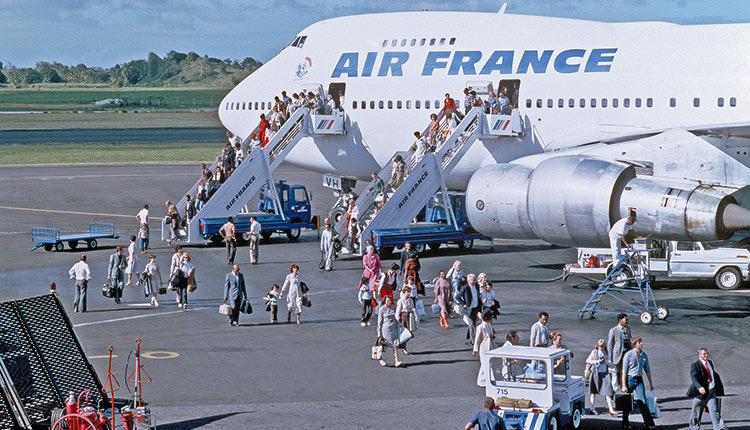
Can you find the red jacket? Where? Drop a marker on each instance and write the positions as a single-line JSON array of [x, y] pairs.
[[449, 103]]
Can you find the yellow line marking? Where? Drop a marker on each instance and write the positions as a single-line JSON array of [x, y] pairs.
[[65, 212], [101, 356], [159, 355]]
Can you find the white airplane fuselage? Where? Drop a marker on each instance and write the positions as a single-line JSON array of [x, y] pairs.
[[571, 74]]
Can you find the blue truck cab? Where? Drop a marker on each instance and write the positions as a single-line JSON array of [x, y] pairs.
[[295, 214], [533, 387], [433, 228]]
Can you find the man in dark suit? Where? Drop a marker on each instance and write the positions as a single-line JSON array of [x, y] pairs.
[[704, 390], [234, 292], [469, 299], [116, 272]]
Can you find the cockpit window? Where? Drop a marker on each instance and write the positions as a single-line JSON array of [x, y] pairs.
[[299, 41], [295, 41]]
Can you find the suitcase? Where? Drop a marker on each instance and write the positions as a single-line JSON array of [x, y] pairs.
[[623, 402], [245, 307]]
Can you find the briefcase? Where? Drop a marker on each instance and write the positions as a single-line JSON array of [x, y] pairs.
[[245, 307], [623, 402]]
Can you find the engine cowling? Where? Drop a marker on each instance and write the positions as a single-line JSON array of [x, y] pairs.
[[573, 200]]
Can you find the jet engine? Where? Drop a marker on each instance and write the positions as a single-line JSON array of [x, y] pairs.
[[573, 200]]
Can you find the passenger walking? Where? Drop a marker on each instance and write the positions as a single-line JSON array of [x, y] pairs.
[[618, 343], [377, 189], [388, 328], [184, 287], [234, 292], [432, 132], [443, 297], [81, 273], [706, 388], [399, 172], [468, 298], [365, 299], [489, 302], [132, 262], [634, 365], [326, 247], [294, 298], [599, 380], [468, 101], [388, 282], [540, 332], [420, 148], [407, 314], [174, 266], [272, 302], [227, 231], [486, 419], [143, 234], [454, 275], [353, 235], [372, 267], [190, 210], [262, 126], [150, 287], [142, 218], [483, 342], [173, 217], [449, 105], [254, 234], [116, 272]]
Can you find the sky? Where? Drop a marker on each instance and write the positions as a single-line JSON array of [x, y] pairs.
[[103, 33]]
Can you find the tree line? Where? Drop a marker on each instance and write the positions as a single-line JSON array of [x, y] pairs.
[[175, 69]]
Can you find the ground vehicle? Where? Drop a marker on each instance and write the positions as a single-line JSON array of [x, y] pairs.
[[343, 189], [728, 267], [291, 219], [527, 395], [434, 227], [50, 238]]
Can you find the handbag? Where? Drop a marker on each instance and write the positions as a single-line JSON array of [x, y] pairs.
[[404, 335], [373, 302], [108, 290], [623, 402], [245, 306], [420, 309], [306, 302], [377, 350], [435, 308], [225, 309], [653, 407], [587, 371], [162, 290]]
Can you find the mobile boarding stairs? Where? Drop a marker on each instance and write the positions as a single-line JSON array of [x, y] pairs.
[[254, 172], [426, 175]]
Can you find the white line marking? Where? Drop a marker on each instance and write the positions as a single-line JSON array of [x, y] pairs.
[[135, 317]]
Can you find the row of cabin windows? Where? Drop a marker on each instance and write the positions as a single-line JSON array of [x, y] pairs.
[[399, 104], [637, 102], [249, 106], [422, 42]]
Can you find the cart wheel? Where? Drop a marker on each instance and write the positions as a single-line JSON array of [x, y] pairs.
[[662, 312], [576, 417], [647, 317], [620, 280], [59, 246], [265, 234], [73, 244], [92, 244], [434, 246], [554, 422], [580, 315], [420, 247], [48, 247]]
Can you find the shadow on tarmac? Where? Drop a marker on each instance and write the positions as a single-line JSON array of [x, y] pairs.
[[198, 422]]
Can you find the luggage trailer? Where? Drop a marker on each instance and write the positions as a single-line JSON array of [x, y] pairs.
[[51, 238]]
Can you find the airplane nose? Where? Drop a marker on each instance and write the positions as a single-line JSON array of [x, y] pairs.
[[735, 217]]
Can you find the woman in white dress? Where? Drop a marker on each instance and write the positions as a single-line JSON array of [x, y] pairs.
[[151, 288], [483, 342], [132, 262], [294, 298]]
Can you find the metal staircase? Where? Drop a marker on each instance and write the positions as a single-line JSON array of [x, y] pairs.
[[254, 172], [426, 176]]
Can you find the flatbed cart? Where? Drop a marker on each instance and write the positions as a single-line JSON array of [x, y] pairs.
[[50, 238], [629, 282]]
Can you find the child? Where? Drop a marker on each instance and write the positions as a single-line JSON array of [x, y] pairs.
[[271, 305], [365, 299], [353, 231], [143, 238], [489, 303]]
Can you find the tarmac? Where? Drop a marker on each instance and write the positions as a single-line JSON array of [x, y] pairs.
[[208, 375]]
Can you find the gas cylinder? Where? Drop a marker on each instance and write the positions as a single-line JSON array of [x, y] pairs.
[[71, 408]]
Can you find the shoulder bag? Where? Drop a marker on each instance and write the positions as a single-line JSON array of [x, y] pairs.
[[245, 306]]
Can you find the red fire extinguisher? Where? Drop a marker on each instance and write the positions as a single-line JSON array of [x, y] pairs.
[[71, 408]]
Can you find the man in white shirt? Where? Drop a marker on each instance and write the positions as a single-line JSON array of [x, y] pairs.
[[82, 275], [228, 233], [254, 237], [142, 216], [540, 331], [617, 237]]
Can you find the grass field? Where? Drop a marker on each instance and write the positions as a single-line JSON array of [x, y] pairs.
[[73, 99], [108, 153], [70, 120]]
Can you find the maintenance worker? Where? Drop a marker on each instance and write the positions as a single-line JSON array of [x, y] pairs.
[[254, 237], [81, 273], [487, 419], [617, 237]]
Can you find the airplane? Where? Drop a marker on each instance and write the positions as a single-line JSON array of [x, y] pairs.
[[651, 117]]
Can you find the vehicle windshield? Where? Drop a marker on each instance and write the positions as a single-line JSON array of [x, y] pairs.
[[518, 372]]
